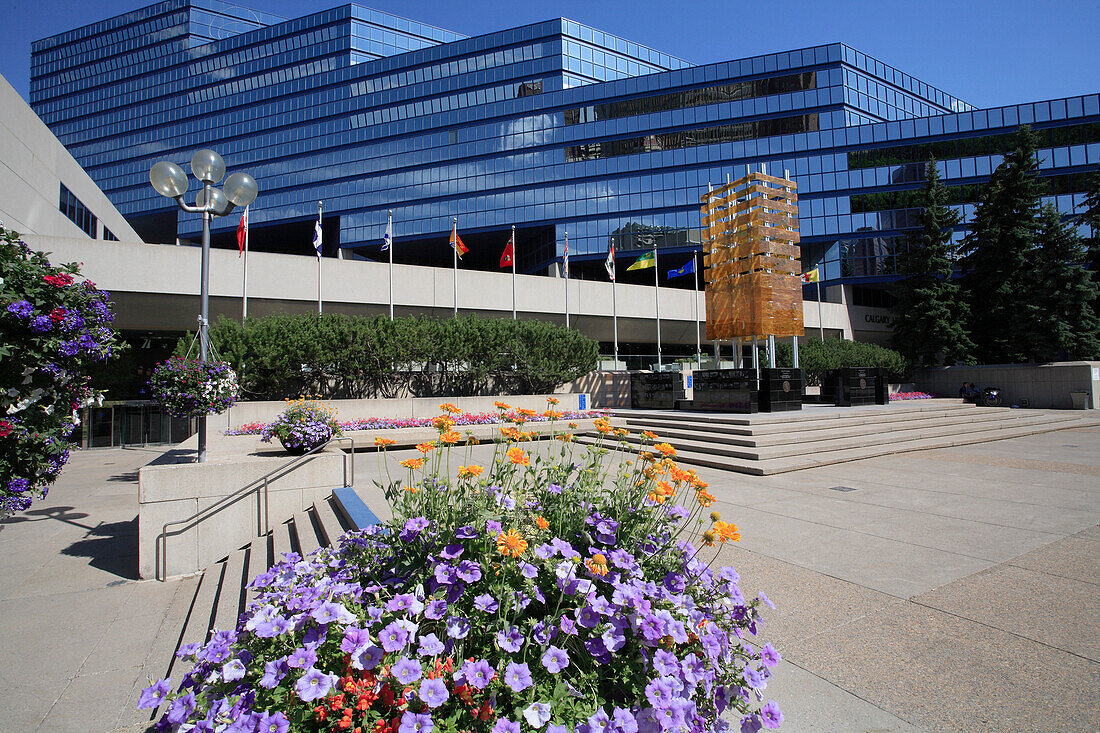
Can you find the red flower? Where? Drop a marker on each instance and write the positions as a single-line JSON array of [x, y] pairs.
[[5, 428], [58, 281], [58, 314]]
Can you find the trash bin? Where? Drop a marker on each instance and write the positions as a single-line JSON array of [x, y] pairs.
[[1080, 400]]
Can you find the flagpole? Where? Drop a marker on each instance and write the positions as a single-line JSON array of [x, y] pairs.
[[657, 301], [321, 243], [244, 283], [454, 246], [695, 297], [565, 272], [513, 272], [820, 319], [614, 304], [389, 230]]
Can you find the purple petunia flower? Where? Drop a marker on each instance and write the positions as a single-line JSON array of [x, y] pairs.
[[433, 692], [274, 671], [659, 692], [765, 600], [406, 670], [393, 637], [436, 610], [554, 489], [555, 659], [367, 658], [623, 721], [314, 684], [413, 528], [430, 646], [477, 674], [587, 617], [405, 602], [665, 663], [469, 571], [452, 552], [493, 527], [233, 671], [457, 627], [155, 694], [537, 714], [302, 658], [486, 603], [510, 640], [754, 678], [517, 676], [415, 723], [771, 715], [466, 532], [354, 638], [503, 725], [180, 708], [276, 723], [769, 656], [329, 612]]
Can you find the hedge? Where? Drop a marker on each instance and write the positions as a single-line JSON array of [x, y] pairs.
[[340, 356], [816, 356]]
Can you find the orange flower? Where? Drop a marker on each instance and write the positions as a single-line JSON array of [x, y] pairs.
[[551, 415], [727, 531], [704, 497], [597, 564], [448, 407], [412, 489], [602, 425], [383, 442], [502, 405], [518, 457], [541, 522], [510, 543], [665, 449], [450, 437], [469, 471], [621, 432], [552, 400], [526, 412], [709, 537], [442, 423], [646, 457], [649, 434], [565, 437], [413, 463], [679, 475], [425, 447], [510, 433], [572, 426]]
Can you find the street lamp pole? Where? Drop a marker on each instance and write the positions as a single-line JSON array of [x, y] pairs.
[[240, 190]]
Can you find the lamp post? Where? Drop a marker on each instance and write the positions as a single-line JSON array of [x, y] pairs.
[[240, 190]]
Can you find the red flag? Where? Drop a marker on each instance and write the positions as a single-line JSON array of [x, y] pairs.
[[456, 242], [506, 259], [242, 232]]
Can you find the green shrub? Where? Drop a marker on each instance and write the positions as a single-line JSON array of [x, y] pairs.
[[340, 356], [816, 356]]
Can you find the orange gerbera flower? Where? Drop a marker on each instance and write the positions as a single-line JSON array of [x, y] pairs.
[[727, 531], [450, 437], [541, 522], [665, 449], [552, 415], [602, 425], [678, 474], [511, 543], [470, 471], [383, 442], [413, 463], [649, 434], [502, 405], [526, 412], [411, 489], [425, 447], [448, 407], [518, 457], [565, 437], [552, 400], [704, 497], [442, 423], [621, 432], [597, 564]]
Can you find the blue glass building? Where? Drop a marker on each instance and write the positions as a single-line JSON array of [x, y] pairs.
[[555, 128]]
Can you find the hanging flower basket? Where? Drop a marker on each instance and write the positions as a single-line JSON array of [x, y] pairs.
[[303, 426], [192, 388]]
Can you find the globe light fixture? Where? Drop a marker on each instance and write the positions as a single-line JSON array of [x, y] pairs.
[[240, 190]]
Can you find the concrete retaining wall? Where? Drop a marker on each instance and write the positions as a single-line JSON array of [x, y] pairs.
[[249, 412], [169, 491], [1046, 386]]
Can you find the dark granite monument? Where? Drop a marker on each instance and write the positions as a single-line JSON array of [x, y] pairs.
[[656, 390], [853, 386], [780, 390], [725, 390]]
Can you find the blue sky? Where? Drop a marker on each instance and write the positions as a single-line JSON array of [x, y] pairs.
[[987, 52]]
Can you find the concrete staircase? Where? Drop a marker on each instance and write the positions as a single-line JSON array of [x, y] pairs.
[[765, 443], [221, 595]]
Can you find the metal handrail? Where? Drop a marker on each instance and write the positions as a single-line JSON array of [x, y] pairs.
[[264, 481]]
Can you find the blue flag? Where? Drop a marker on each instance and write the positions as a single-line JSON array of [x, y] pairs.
[[685, 270]]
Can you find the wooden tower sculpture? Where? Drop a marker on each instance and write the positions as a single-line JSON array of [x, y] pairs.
[[752, 266]]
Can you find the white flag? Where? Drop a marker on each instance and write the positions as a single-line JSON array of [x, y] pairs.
[[317, 234], [387, 238]]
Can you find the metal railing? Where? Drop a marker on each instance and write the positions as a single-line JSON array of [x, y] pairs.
[[263, 484]]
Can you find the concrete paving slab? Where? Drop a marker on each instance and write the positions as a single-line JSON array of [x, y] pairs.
[[1076, 557], [1049, 609], [945, 673]]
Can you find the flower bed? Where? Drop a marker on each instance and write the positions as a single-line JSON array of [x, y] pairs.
[[304, 425], [463, 418], [898, 396], [557, 591], [192, 388]]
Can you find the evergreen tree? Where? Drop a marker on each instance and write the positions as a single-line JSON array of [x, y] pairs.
[[1091, 217], [1065, 293], [996, 256], [929, 316]]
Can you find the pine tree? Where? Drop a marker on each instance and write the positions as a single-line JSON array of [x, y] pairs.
[[929, 316], [1065, 293], [996, 256], [1091, 217]]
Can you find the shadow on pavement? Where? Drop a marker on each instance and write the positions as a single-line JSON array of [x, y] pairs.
[[111, 547], [64, 514]]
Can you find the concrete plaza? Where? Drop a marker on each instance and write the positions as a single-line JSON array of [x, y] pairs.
[[955, 589]]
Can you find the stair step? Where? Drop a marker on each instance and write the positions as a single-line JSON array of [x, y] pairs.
[[281, 542], [330, 523], [259, 560], [307, 535], [202, 609], [229, 595]]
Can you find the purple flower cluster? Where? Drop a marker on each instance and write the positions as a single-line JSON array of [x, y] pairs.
[[191, 388], [302, 427], [393, 423]]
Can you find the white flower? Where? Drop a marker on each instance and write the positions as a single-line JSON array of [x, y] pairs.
[[537, 714]]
